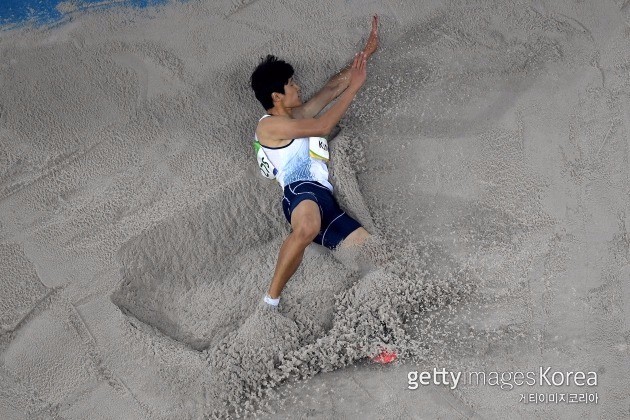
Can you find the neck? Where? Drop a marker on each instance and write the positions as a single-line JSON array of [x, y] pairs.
[[281, 111]]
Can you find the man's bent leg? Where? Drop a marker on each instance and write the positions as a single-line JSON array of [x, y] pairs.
[[357, 237], [363, 251], [359, 243], [306, 223]]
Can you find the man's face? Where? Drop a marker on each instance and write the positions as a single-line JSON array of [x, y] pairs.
[[292, 94]]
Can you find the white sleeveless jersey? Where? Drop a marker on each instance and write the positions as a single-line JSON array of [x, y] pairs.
[[294, 163]]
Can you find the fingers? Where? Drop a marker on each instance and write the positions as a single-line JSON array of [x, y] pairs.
[[362, 60], [359, 60]]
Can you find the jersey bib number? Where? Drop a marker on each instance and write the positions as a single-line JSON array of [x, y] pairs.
[[264, 164]]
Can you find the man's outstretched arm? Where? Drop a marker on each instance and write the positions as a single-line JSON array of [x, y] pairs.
[[337, 83]]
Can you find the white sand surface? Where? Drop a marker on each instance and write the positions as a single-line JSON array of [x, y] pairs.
[[488, 152]]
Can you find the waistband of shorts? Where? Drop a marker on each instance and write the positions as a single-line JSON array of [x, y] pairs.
[[295, 184]]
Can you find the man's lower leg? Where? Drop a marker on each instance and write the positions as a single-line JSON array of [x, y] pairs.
[[289, 259]]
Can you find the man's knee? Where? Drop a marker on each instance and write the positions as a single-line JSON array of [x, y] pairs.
[[307, 230], [306, 221]]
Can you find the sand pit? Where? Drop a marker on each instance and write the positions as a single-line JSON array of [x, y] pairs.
[[487, 152]]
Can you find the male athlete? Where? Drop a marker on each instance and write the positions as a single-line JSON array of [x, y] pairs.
[[291, 138]]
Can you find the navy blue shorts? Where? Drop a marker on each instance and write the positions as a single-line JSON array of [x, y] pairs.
[[336, 224]]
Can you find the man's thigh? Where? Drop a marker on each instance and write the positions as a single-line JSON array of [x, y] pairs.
[[306, 215]]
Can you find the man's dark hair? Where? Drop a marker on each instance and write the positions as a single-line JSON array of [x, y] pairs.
[[270, 76]]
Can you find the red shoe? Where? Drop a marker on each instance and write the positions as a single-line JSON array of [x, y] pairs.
[[384, 357]]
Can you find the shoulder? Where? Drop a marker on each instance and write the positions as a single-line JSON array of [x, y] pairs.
[[265, 129]]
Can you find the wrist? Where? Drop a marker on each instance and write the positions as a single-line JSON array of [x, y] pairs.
[[353, 89], [338, 86]]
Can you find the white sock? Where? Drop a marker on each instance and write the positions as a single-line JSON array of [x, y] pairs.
[[273, 302]]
